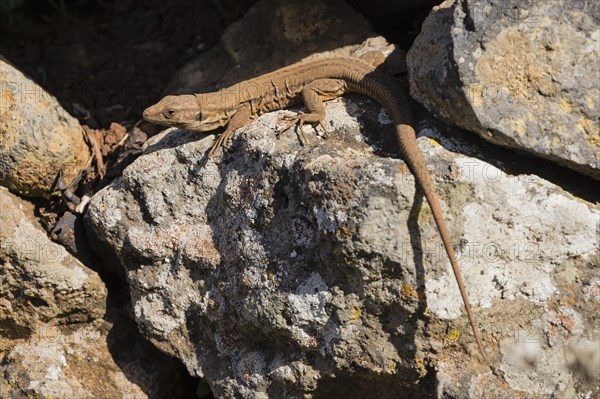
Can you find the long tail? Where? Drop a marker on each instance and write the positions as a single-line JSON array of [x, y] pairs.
[[363, 78], [414, 159]]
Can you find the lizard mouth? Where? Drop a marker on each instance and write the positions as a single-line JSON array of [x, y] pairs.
[[147, 115], [153, 117]]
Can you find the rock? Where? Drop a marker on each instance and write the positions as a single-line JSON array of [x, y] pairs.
[[41, 281], [290, 271], [68, 232], [58, 336], [517, 74], [90, 362], [293, 31], [39, 138]]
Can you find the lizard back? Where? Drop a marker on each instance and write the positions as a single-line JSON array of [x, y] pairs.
[[281, 88]]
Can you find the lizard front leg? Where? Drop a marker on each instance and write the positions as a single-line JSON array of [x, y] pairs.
[[313, 95], [237, 120]]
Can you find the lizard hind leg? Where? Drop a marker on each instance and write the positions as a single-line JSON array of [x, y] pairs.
[[313, 95]]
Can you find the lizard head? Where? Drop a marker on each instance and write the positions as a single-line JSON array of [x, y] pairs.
[[179, 111], [185, 112]]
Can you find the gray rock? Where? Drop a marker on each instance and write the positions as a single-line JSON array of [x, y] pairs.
[[39, 138], [290, 271], [522, 74], [58, 336], [88, 362], [41, 282]]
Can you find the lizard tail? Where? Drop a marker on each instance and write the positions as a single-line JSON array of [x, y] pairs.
[[414, 159]]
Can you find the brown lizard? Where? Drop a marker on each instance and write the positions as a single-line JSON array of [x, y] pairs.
[[313, 82]]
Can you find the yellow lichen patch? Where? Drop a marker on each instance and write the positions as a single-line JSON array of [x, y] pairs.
[[453, 335], [519, 126], [408, 291], [476, 95], [421, 215], [390, 367], [588, 126], [565, 105], [566, 301], [12, 384], [511, 67], [425, 215], [590, 102], [345, 232], [580, 126], [273, 279], [434, 142], [594, 140], [355, 313], [420, 363]]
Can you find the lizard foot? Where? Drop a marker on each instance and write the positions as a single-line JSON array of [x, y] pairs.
[[298, 120], [325, 134], [221, 141]]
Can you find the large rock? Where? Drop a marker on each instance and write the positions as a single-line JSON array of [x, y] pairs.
[[520, 74], [41, 282], [285, 271], [38, 137], [58, 336], [290, 271], [96, 360]]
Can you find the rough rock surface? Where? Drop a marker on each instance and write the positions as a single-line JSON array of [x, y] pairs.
[[38, 137], [96, 360], [40, 281], [523, 74], [284, 271], [58, 336], [289, 271]]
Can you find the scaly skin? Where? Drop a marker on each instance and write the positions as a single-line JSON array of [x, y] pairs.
[[313, 82]]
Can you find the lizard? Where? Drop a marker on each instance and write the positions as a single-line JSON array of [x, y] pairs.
[[312, 82]]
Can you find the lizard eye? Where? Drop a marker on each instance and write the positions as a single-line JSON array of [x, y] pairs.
[[198, 116], [169, 113]]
